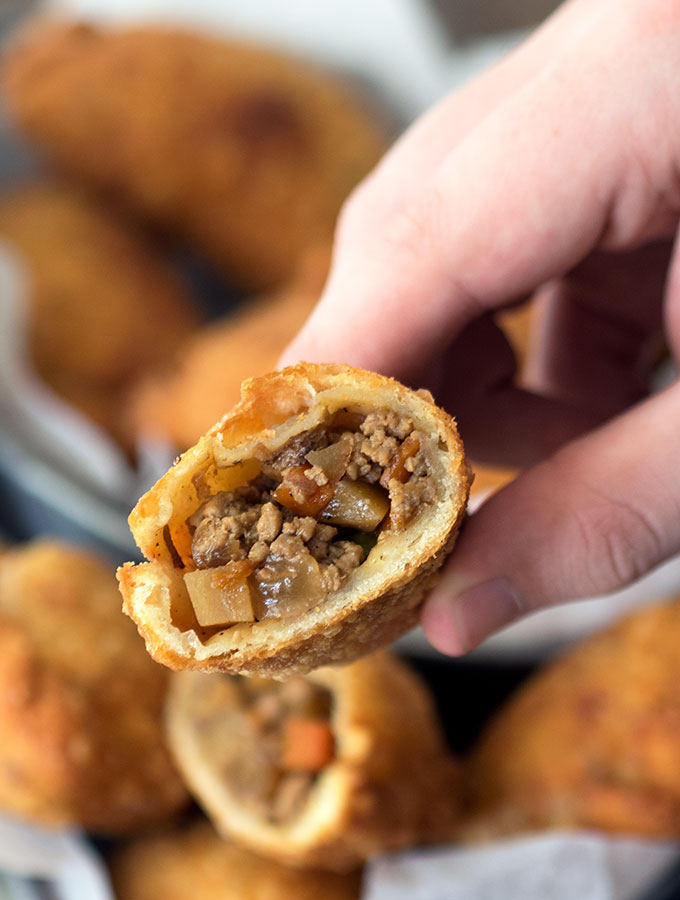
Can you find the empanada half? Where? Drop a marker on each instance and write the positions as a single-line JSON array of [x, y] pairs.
[[304, 529], [194, 863], [321, 770]]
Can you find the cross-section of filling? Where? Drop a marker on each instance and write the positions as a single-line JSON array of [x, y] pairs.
[[279, 545], [270, 740]]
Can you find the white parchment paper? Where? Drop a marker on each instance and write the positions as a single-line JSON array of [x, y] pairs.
[[62, 859], [551, 866]]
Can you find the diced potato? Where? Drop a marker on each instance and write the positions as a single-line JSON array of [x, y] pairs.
[[356, 504], [221, 596], [287, 587], [308, 744], [332, 460]]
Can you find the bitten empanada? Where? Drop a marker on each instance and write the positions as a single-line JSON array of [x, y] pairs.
[[303, 530], [81, 703], [321, 770], [180, 402], [194, 863]]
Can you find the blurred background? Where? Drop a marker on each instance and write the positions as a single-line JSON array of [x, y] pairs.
[[170, 177]]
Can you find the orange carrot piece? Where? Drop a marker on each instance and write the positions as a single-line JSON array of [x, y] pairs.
[[308, 744], [397, 465], [301, 495]]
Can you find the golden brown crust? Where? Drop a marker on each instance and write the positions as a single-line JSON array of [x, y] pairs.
[[240, 149], [183, 402], [81, 702], [196, 864], [102, 309], [591, 741], [374, 606], [391, 785]]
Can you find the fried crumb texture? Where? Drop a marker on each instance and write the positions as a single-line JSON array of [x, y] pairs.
[[591, 741], [80, 700], [243, 151]]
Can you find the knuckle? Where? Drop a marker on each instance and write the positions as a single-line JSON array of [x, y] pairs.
[[417, 225]]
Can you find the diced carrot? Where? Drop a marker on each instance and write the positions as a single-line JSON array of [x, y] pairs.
[[397, 465], [302, 495], [308, 744]]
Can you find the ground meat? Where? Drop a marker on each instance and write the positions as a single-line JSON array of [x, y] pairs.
[[250, 523], [343, 557], [346, 555], [270, 522], [270, 790], [226, 530], [293, 454], [290, 797], [408, 498]]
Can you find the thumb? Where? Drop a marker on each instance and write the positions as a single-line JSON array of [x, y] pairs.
[[598, 514]]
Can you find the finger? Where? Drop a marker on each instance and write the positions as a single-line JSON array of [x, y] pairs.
[[591, 519], [523, 197], [433, 135], [501, 424], [600, 330]]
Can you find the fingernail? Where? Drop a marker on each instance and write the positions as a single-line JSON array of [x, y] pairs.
[[455, 625]]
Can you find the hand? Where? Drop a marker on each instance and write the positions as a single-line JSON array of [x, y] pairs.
[[558, 171]]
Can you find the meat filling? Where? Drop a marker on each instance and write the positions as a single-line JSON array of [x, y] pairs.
[[274, 748], [281, 544]]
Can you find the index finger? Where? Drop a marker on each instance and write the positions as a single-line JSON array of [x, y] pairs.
[[557, 168]]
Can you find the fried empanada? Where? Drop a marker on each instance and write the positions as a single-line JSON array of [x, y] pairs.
[[303, 530], [180, 403], [324, 770], [196, 864], [81, 703], [591, 741], [241, 150], [102, 308]]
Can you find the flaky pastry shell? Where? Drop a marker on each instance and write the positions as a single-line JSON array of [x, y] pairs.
[[391, 784], [377, 603]]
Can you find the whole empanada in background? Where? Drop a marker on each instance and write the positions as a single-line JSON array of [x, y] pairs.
[[183, 400], [196, 864], [591, 741], [241, 150], [80, 700], [102, 308], [303, 530], [325, 770]]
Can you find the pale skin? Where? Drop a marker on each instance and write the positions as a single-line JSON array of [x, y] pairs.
[[559, 171]]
